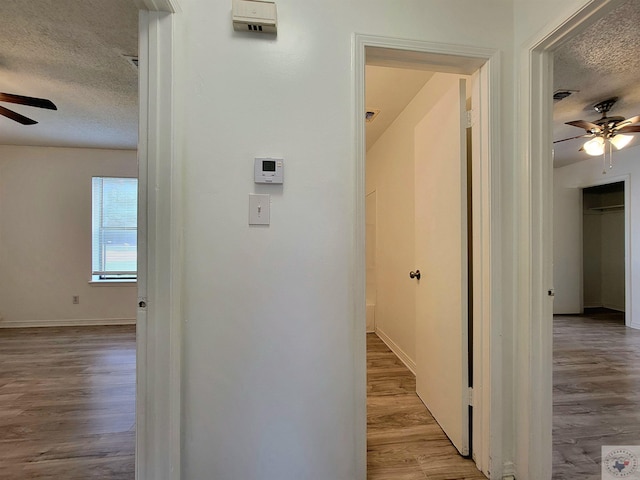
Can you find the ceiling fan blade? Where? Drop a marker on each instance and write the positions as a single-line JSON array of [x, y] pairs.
[[30, 101], [628, 129], [16, 116], [629, 121], [573, 138], [588, 126]]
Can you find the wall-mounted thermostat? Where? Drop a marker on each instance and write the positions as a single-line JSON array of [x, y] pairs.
[[269, 170]]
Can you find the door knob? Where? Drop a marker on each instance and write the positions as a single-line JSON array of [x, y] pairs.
[[415, 274]]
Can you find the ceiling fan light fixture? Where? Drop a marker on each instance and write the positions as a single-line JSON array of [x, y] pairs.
[[594, 147], [620, 141]]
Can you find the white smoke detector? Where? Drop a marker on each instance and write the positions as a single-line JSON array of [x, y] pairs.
[[255, 16]]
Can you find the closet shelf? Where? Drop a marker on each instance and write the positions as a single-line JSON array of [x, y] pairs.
[[608, 207]]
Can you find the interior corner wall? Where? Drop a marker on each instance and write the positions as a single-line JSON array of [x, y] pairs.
[[568, 182], [45, 237], [390, 172]]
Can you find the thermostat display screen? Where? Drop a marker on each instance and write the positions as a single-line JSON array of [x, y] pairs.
[[269, 170]]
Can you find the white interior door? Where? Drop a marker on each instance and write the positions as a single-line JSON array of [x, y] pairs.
[[441, 257]]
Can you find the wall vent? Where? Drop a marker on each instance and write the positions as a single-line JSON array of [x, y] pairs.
[[370, 115], [255, 16], [562, 94], [132, 59]]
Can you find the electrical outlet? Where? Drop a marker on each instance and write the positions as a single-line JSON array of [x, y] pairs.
[[76, 299]]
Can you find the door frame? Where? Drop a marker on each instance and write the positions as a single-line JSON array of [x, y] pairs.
[[534, 329], [626, 179], [158, 334], [487, 423]]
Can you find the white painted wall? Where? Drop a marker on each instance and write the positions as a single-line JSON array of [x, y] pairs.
[[527, 360], [567, 243], [269, 342], [370, 248], [568, 182], [532, 16], [612, 255], [591, 261], [370, 257], [45, 237]]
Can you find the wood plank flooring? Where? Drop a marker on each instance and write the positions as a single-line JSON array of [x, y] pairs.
[[67, 403], [404, 442], [596, 391]]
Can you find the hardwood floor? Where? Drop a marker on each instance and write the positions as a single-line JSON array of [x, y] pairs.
[[67, 403], [404, 442], [596, 391]]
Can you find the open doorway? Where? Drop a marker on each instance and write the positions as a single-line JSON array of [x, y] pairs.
[[397, 166], [55, 183], [158, 305], [541, 228], [584, 342]]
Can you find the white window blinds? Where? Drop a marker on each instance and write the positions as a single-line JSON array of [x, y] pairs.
[[115, 227]]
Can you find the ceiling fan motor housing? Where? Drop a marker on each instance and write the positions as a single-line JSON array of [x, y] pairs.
[[603, 107], [606, 105]]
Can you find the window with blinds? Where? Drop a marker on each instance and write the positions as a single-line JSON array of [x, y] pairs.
[[114, 228]]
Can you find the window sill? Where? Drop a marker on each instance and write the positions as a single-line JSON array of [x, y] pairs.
[[113, 283]]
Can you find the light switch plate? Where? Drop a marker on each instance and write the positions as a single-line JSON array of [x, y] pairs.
[[259, 209]]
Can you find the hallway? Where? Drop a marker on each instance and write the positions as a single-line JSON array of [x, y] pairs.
[[404, 442]]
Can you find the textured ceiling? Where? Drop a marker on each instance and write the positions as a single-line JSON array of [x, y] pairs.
[[71, 52], [601, 62]]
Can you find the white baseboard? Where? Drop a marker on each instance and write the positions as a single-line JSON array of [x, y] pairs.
[[75, 322], [371, 317], [566, 311], [508, 471], [593, 305], [410, 364], [617, 308]]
